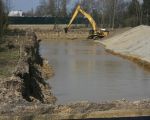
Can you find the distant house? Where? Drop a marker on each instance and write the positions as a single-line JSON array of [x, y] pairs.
[[17, 13]]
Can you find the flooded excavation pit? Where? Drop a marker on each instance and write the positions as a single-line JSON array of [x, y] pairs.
[[84, 71]]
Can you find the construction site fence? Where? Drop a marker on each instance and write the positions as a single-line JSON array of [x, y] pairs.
[[45, 20]]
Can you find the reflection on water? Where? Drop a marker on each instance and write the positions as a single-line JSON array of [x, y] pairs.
[[84, 71]]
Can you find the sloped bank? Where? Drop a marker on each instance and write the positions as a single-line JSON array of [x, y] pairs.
[[133, 44], [26, 92]]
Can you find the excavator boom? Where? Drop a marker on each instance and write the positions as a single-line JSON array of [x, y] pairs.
[[88, 16]]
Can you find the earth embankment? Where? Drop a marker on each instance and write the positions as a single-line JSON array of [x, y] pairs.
[[26, 91], [133, 44]]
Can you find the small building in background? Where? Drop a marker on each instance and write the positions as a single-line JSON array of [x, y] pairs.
[[16, 13]]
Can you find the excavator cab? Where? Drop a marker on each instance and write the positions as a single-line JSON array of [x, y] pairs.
[[91, 32], [94, 33], [98, 34]]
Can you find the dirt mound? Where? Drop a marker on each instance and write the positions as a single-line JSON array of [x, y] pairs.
[[134, 42]]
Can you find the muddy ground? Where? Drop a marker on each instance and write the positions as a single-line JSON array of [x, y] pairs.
[[17, 106]]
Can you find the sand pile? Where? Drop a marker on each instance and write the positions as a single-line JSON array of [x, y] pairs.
[[134, 42]]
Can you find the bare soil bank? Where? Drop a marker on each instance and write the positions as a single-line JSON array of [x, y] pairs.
[[55, 32], [133, 44], [15, 104], [26, 91]]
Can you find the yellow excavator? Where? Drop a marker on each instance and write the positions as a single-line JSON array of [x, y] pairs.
[[94, 33]]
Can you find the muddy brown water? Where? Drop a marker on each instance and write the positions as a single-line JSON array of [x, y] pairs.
[[85, 72]]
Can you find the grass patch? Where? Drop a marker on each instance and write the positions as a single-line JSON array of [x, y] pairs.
[[8, 61], [9, 51]]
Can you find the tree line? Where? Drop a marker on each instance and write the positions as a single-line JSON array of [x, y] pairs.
[[3, 18], [107, 13]]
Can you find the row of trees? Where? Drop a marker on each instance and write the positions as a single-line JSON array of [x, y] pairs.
[[108, 13], [52, 8], [118, 13], [3, 18]]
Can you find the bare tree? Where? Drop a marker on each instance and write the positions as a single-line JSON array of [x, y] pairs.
[[8, 5], [64, 8], [138, 12], [107, 9], [134, 13], [41, 10], [51, 7], [58, 7], [88, 5], [3, 20], [146, 12], [114, 13]]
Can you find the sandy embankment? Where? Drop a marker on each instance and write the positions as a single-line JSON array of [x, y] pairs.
[[133, 44]]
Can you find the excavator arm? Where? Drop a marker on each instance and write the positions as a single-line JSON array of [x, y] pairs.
[[88, 16], [94, 34]]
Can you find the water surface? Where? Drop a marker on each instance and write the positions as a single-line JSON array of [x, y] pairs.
[[84, 71]]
